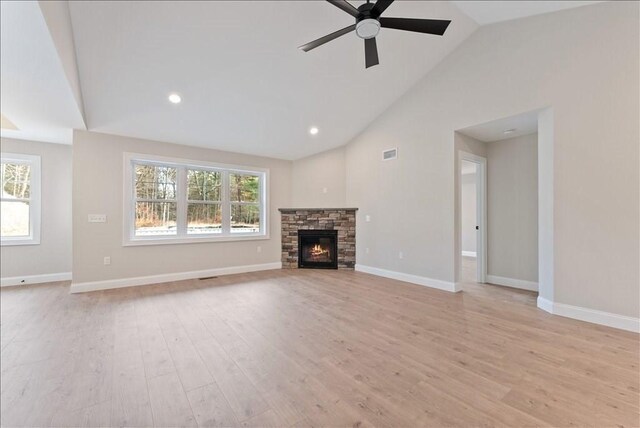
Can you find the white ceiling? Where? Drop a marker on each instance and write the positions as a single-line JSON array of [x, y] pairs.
[[522, 124], [492, 11], [36, 95], [245, 85]]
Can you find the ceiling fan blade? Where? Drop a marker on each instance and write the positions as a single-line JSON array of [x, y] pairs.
[[380, 6], [370, 52], [327, 38], [346, 6], [429, 26]]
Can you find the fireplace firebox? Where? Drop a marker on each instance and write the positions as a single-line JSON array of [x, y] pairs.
[[318, 249]]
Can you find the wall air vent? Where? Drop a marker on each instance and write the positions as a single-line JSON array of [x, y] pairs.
[[389, 154]]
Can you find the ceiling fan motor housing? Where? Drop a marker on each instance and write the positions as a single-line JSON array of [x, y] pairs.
[[367, 25]]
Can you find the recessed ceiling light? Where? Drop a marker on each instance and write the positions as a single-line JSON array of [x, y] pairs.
[[509, 131], [313, 130], [175, 98]]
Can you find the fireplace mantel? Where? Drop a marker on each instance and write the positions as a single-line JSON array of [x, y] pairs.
[[343, 220]]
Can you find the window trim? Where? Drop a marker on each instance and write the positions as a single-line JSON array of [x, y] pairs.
[[35, 199], [129, 238]]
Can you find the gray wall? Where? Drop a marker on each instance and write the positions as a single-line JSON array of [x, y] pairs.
[[551, 60], [512, 208], [98, 189], [53, 254], [318, 181]]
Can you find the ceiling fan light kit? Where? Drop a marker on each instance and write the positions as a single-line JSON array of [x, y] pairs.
[[368, 28], [368, 24]]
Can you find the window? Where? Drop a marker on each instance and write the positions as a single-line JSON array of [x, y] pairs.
[[20, 199], [204, 199], [156, 204], [180, 201], [245, 203]]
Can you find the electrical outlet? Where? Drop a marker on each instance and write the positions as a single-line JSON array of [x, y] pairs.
[[259, 249], [366, 250], [107, 261], [367, 218], [325, 190], [400, 255]]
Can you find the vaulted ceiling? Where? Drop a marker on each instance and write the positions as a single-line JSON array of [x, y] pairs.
[[35, 93], [245, 86]]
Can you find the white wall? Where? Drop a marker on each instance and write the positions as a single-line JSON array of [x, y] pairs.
[[318, 181], [98, 189], [52, 257], [590, 79], [512, 208], [468, 211]]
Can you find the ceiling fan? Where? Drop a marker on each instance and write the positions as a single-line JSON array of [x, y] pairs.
[[368, 23]]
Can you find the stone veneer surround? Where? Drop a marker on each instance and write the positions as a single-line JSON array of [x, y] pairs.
[[341, 219]]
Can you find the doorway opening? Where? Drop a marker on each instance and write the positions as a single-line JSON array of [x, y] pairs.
[[473, 217], [503, 170]]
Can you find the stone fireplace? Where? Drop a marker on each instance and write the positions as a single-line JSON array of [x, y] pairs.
[[322, 238]]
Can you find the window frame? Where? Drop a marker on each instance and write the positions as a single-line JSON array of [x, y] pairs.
[[35, 199], [182, 236]]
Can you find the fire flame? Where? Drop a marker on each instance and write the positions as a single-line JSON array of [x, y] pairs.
[[317, 250]]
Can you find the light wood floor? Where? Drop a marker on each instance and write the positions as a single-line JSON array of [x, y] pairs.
[[468, 278], [307, 348]]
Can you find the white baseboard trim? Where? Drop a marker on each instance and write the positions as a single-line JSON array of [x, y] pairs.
[[545, 304], [35, 279], [83, 287], [406, 277], [512, 282], [470, 254], [590, 315]]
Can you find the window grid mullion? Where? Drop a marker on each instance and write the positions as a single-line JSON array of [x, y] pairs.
[[158, 201], [190, 201], [263, 203], [133, 196], [226, 207], [181, 196]]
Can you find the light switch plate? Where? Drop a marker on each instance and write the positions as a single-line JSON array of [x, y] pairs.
[[97, 218]]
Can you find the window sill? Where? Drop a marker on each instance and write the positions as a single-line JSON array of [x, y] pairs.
[[194, 240], [18, 242]]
